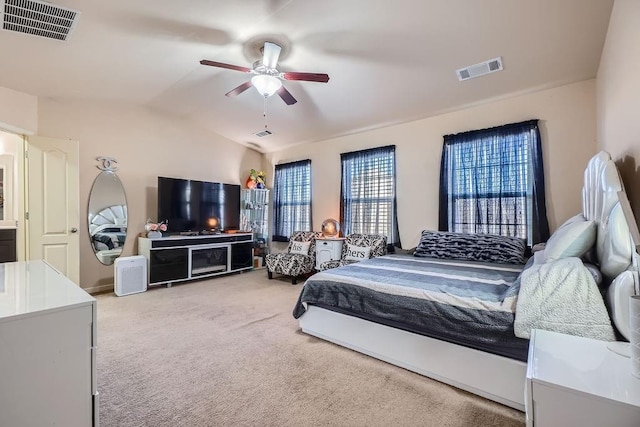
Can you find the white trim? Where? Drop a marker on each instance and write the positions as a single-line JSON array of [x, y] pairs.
[[494, 377], [15, 129]]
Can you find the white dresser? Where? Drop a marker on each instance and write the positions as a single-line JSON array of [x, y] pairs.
[[574, 381], [328, 249], [47, 348]]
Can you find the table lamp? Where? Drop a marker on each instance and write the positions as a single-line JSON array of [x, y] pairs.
[[330, 228]]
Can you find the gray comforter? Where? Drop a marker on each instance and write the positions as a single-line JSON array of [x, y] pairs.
[[464, 302]]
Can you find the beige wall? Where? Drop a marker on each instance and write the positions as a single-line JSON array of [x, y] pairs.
[[18, 112], [146, 144], [567, 122], [618, 96]]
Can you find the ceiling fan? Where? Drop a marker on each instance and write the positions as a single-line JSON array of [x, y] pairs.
[[267, 78]]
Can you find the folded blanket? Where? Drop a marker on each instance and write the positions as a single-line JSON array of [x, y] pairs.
[[561, 296]]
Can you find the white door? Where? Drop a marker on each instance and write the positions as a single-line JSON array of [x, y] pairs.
[[53, 204]]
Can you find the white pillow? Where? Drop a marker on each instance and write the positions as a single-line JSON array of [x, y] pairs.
[[301, 248], [572, 239], [576, 218], [357, 253]]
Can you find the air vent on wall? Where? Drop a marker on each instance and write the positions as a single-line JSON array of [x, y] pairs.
[[477, 70], [38, 18]]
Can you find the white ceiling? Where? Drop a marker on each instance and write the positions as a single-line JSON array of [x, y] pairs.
[[389, 61]]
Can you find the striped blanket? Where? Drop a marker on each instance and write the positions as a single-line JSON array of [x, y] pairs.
[[465, 302]]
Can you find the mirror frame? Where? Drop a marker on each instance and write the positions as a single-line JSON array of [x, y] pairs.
[[112, 213]]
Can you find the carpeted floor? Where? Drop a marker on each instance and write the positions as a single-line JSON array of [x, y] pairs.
[[227, 352]]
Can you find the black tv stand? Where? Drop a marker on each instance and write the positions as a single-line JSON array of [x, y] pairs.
[[180, 258]]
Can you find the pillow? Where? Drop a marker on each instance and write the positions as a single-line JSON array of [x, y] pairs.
[[595, 272], [573, 219], [301, 248], [357, 253], [572, 239], [471, 247]]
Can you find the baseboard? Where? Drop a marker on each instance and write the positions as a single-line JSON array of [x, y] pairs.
[[99, 289]]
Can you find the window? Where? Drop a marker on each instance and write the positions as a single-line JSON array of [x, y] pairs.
[[291, 199], [492, 182], [368, 193]]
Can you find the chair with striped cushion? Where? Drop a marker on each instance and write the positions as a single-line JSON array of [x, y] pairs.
[[376, 243], [291, 263]]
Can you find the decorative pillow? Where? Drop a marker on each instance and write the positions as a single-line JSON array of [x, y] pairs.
[[471, 247], [572, 239], [595, 272], [301, 248], [357, 253], [573, 219]]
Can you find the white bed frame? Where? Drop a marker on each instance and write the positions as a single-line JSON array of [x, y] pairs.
[[488, 375]]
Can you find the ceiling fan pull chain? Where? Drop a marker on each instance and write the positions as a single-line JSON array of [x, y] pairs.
[[264, 113]]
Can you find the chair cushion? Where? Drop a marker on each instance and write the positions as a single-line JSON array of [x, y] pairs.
[[290, 264], [329, 264]]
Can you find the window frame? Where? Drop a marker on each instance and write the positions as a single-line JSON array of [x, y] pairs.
[[283, 200], [361, 162], [514, 155]]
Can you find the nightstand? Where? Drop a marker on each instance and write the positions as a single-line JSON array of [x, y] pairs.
[[328, 249], [574, 381]]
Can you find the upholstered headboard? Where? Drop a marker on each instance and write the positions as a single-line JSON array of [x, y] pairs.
[[110, 217], [603, 198]]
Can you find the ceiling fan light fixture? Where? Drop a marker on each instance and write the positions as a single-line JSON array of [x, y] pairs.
[[266, 85]]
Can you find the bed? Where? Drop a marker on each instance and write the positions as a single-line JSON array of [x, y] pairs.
[[108, 232], [458, 331]]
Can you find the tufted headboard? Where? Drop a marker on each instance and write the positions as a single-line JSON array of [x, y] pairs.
[[110, 217], [605, 202]]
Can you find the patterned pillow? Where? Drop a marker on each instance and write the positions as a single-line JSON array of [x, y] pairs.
[[471, 247]]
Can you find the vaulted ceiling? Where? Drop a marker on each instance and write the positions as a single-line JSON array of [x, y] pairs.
[[389, 61]]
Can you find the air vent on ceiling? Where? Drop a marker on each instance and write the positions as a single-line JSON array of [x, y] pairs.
[[38, 18], [477, 70], [264, 133]]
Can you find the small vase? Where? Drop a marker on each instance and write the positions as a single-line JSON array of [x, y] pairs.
[[154, 235]]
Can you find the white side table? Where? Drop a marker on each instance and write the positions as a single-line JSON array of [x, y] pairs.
[[574, 381], [328, 249]]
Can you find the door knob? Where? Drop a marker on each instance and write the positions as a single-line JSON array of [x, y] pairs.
[[74, 230]]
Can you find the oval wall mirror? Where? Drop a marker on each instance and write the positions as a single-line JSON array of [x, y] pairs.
[[107, 217]]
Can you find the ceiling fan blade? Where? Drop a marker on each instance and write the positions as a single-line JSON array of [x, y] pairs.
[[270, 54], [286, 96], [237, 91], [223, 65], [309, 77]]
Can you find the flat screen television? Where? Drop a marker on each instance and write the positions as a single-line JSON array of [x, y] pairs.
[[189, 205]]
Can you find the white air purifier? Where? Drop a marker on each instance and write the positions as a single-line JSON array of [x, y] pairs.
[[130, 275]]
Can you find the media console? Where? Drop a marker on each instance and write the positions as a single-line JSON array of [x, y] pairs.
[[179, 258]]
